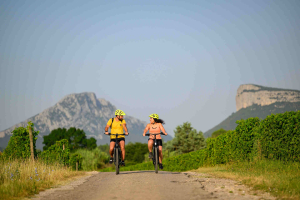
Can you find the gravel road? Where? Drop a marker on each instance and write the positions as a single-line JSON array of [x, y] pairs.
[[145, 185]]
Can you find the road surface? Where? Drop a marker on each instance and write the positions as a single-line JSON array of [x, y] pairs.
[[148, 185]]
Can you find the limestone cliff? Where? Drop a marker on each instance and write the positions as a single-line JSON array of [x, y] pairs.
[[248, 95]]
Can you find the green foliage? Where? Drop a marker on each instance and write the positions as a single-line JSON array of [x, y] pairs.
[[55, 135], [280, 136], [104, 148], [135, 152], [92, 159], [218, 132], [186, 139], [277, 137], [59, 152], [76, 138], [75, 158], [185, 162], [19, 143], [91, 143]]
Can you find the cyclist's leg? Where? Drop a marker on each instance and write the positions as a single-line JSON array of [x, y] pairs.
[[160, 153], [122, 145], [111, 148], [150, 145]]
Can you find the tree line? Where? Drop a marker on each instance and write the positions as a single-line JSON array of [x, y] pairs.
[[186, 139]]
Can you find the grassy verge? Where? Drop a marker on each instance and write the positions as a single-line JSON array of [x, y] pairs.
[[20, 179], [281, 179]]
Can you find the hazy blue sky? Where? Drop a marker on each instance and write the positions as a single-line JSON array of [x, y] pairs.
[[181, 59]]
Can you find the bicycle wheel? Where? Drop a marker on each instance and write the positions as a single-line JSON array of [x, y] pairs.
[[117, 161], [156, 160]]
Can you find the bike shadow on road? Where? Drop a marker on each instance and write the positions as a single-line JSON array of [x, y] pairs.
[[147, 171]]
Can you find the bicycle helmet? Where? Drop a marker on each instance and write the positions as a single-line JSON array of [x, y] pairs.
[[119, 112], [154, 116]]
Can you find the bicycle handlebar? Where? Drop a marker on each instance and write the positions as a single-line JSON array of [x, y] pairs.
[[148, 134], [116, 134]]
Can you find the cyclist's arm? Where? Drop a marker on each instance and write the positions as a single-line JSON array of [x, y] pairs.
[[163, 129], [106, 129], [125, 128], [146, 129]]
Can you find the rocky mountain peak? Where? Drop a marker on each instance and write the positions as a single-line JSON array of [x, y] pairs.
[[82, 110]]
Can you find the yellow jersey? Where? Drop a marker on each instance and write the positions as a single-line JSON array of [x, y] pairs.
[[117, 127]]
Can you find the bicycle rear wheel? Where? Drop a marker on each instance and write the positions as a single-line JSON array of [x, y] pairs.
[[156, 160], [116, 154]]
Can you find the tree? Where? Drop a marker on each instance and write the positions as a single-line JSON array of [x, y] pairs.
[[91, 143], [76, 138], [186, 139], [55, 135], [135, 151], [218, 132]]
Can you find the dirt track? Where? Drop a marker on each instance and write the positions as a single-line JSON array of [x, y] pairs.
[[144, 185]]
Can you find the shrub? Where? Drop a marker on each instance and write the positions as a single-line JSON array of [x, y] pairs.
[[279, 136], [59, 152], [90, 159], [19, 143]]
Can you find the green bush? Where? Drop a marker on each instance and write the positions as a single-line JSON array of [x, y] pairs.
[[218, 132], [279, 136], [92, 159], [75, 158], [135, 152], [19, 143], [59, 152]]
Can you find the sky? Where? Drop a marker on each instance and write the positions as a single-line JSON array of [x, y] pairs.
[[183, 60]]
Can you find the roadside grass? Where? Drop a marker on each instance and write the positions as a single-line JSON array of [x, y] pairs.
[[281, 179], [23, 178]]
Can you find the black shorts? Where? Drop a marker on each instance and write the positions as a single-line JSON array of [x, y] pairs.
[[119, 139], [159, 141]]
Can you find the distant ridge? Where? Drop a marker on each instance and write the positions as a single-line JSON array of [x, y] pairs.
[[259, 101], [82, 111]]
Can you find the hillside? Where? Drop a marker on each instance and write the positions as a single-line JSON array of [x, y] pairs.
[[82, 111], [254, 111]]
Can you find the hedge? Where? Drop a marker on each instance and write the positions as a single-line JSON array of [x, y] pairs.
[[275, 137]]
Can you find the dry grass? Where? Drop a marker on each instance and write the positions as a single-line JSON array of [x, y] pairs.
[[23, 178], [281, 179]]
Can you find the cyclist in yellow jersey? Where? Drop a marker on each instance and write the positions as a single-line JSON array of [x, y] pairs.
[[117, 126], [155, 126]]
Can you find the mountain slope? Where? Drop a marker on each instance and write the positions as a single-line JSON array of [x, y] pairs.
[[254, 111], [82, 111]]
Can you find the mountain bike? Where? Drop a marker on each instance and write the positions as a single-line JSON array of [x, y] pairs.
[[117, 152], [155, 150]]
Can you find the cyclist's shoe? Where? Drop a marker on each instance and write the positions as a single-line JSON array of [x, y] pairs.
[[150, 155], [160, 166], [111, 160], [122, 163]]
